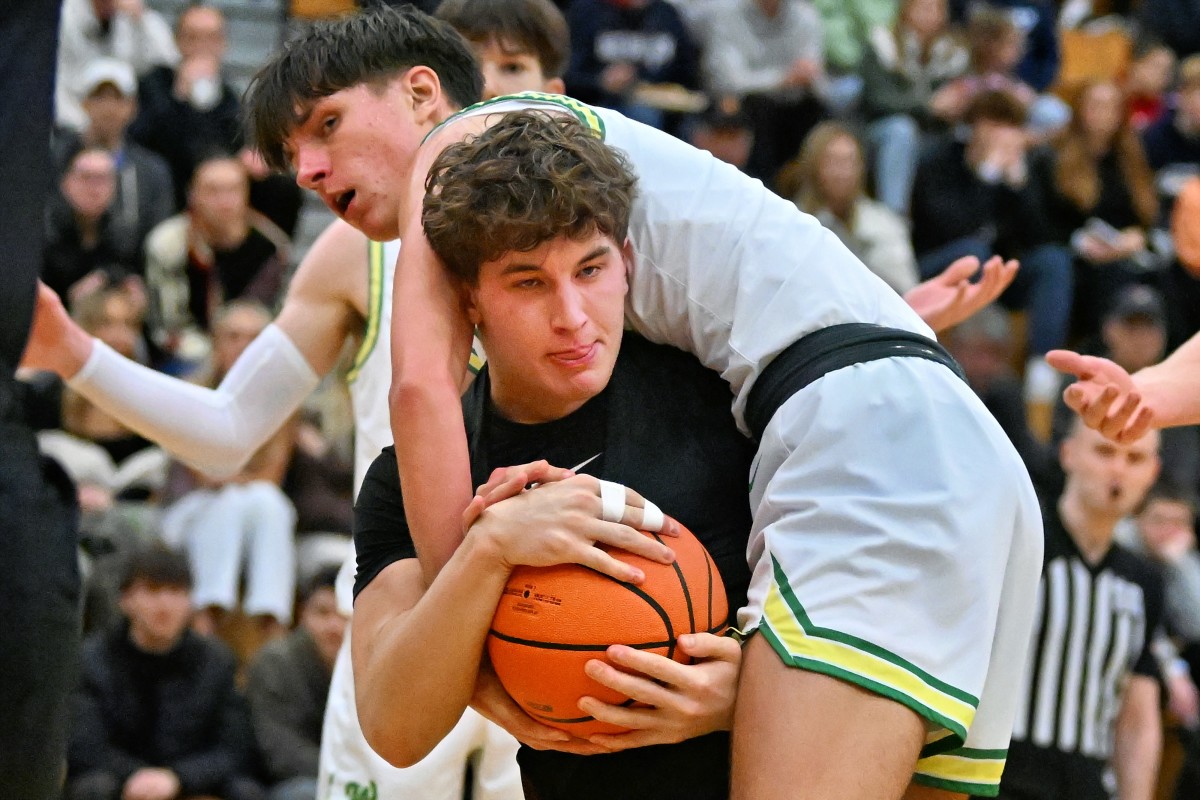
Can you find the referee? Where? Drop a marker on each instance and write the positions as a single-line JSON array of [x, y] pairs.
[[1088, 724], [39, 584]]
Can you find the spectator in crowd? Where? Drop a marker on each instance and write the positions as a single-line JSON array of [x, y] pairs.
[[1185, 272], [156, 714], [847, 26], [617, 45], [219, 250], [901, 69], [1101, 200], [975, 197], [1037, 22], [319, 481], [108, 462], [287, 688], [1134, 335], [145, 195], [1166, 528], [827, 181], [1147, 81], [984, 346], [123, 29], [996, 46], [518, 45], [189, 111], [1176, 22], [84, 233], [770, 54], [243, 521], [1173, 142], [1090, 702], [725, 131]]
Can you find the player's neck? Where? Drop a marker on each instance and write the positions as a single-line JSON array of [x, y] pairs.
[[1092, 532]]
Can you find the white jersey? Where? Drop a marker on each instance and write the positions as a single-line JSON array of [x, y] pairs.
[[371, 374], [723, 269]]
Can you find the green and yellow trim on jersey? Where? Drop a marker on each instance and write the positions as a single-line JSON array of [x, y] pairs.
[[585, 113], [800, 643], [375, 268], [968, 770]]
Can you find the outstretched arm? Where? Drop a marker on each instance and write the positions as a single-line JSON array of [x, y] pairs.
[[1124, 407], [216, 430]]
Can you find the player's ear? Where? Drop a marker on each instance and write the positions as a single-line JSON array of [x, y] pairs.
[[627, 258], [425, 89], [470, 303]]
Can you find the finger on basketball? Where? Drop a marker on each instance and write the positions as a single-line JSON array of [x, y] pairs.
[[631, 540], [707, 645], [597, 559], [630, 717], [636, 687], [651, 665]]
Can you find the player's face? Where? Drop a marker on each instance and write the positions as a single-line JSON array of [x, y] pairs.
[[356, 149], [507, 69], [1109, 479], [551, 321]]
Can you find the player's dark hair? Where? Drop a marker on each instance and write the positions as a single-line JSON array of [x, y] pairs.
[[536, 27], [527, 179], [370, 47], [159, 566]]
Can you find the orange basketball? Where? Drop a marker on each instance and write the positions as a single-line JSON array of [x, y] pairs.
[[552, 620]]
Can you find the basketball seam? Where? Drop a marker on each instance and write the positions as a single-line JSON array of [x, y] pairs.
[[687, 595], [573, 647]]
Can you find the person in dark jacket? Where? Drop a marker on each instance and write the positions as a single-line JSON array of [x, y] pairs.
[[975, 197], [156, 715], [288, 686]]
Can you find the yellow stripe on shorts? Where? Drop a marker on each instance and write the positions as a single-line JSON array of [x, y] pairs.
[[975, 772], [375, 267], [800, 643]]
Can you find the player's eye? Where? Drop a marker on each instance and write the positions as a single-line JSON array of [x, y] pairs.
[[528, 283], [512, 68], [590, 271], [329, 123]]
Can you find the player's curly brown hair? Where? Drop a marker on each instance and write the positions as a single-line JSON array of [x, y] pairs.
[[529, 178]]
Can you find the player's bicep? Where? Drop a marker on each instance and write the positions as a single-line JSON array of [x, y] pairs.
[[327, 296]]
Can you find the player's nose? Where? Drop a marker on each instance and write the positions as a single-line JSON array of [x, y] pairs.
[[312, 167]]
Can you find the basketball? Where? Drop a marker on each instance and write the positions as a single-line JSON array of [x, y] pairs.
[[552, 620]]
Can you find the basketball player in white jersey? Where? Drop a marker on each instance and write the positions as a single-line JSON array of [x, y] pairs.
[[341, 290], [869, 514]]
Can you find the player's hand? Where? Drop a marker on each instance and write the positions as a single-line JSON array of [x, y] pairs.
[[56, 343], [560, 523], [686, 700], [947, 299], [506, 482], [1104, 396], [494, 704]]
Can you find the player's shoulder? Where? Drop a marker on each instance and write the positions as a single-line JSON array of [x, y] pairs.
[[672, 373]]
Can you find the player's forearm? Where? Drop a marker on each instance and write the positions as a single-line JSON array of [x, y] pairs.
[[213, 430], [430, 352], [415, 672], [1172, 388]]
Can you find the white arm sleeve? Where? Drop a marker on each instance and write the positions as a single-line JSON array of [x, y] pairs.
[[213, 430]]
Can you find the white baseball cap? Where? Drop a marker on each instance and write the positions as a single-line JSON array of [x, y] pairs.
[[100, 71]]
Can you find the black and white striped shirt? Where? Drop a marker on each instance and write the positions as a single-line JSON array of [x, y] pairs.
[[1091, 632]]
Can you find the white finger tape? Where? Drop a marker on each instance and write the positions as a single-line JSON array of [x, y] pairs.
[[612, 501], [652, 517]]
